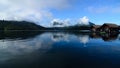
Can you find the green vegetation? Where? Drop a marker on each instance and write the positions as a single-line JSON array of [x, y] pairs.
[[102, 32], [19, 25]]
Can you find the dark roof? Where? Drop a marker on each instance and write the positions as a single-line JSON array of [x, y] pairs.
[[111, 25]]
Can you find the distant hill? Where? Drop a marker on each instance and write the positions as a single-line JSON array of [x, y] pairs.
[[24, 25], [91, 23], [74, 27], [19, 25], [81, 27]]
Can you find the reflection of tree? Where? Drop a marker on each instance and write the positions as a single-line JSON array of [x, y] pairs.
[[57, 36], [19, 34]]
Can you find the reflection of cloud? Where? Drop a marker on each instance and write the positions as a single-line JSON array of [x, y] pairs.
[[11, 49], [59, 36], [15, 48], [84, 39]]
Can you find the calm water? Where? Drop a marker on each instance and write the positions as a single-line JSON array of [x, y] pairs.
[[59, 50]]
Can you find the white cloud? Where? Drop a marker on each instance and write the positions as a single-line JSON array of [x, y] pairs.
[[56, 23], [35, 10], [60, 22], [84, 21]]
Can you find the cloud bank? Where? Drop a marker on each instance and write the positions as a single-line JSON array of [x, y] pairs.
[[30, 10]]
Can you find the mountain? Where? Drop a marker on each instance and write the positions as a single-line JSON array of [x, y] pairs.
[[19, 25], [73, 27], [91, 24], [24, 25], [81, 27]]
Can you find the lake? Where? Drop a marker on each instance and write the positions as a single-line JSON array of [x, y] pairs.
[[59, 50]]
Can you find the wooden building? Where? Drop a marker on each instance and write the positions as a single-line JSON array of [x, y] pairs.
[[107, 27]]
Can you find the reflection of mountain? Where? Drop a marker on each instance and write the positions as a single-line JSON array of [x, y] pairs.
[[57, 36]]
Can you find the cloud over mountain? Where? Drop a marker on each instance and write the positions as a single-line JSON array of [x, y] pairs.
[[83, 21], [60, 23], [30, 10]]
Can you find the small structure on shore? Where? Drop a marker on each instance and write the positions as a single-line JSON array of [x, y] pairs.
[[107, 27]]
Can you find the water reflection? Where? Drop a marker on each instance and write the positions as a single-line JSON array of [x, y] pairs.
[[63, 36], [105, 36], [58, 49], [57, 36], [21, 43], [84, 37], [13, 35]]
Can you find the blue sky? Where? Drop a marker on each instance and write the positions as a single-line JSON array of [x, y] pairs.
[[44, 11], [98, 11]]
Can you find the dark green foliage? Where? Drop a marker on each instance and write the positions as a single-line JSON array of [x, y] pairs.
[[19, 25]]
